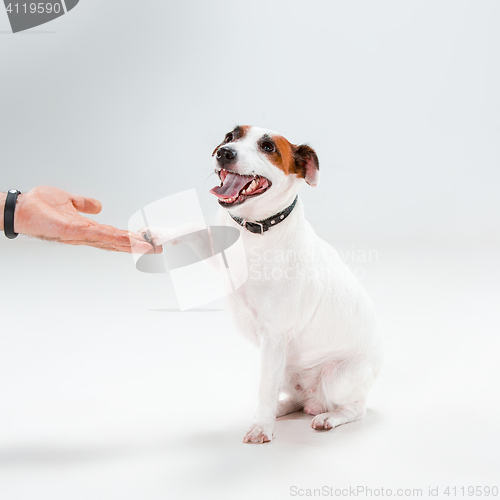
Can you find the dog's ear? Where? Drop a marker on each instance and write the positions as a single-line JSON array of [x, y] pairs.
[[307, 164]]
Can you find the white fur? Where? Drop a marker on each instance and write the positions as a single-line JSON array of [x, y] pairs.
[[313, 321]]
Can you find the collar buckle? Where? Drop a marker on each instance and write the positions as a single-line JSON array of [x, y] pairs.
[[253, 227]]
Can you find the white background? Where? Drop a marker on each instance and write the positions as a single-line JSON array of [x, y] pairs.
[[105, 391]]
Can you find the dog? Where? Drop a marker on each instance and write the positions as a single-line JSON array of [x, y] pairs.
[[314, 323]]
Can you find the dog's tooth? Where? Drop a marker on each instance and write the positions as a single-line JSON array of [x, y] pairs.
[[252, 186]]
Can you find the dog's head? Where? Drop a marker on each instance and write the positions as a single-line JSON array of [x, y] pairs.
[[259, 166]]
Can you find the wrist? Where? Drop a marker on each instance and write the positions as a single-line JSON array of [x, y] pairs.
[[3, 197], [18, 213]]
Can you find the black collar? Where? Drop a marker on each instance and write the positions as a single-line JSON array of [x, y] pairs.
[[261, 226]]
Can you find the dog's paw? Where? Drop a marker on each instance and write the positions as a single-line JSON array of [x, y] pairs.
[[325, 421], [259, 433], [156, 236]]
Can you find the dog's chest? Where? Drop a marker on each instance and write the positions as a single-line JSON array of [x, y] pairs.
[[270, 297]]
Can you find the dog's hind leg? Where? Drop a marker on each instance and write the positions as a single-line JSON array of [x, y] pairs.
[[344, 387], [342, 414]]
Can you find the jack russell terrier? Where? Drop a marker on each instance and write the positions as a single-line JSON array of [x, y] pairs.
[[314, 323]]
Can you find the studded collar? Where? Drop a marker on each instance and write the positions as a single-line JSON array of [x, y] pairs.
[[261, 226]]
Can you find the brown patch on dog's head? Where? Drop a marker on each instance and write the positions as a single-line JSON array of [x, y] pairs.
[[235, 135], [279, 151], [301, 161]]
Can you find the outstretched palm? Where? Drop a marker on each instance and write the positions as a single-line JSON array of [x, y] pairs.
[[53, 214]]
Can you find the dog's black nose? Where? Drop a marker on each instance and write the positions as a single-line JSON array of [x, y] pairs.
[[225, 155]]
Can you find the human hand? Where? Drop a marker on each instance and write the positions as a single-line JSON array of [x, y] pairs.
[[52, 214]]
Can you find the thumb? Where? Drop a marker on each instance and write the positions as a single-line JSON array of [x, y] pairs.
[[86, 205]]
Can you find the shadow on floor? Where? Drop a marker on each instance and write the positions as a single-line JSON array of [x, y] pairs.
[[292, 434]]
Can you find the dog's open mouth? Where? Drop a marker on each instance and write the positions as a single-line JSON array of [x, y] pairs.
[[235, 188]]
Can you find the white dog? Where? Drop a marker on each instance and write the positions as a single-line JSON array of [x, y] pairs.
[[313, 321]]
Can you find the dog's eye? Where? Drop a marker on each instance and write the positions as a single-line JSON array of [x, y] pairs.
[[228, 138], [268, 147]]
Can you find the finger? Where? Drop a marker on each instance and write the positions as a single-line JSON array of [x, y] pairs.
[[86, 205], [109, 235], [142, 247], [147, 249]]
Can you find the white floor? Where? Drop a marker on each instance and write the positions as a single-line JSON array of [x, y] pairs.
[[107, 393]]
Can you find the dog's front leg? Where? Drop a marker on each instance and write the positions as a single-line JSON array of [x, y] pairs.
[[273, 353]]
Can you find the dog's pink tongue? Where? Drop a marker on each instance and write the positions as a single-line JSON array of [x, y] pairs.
[[231, 186]]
